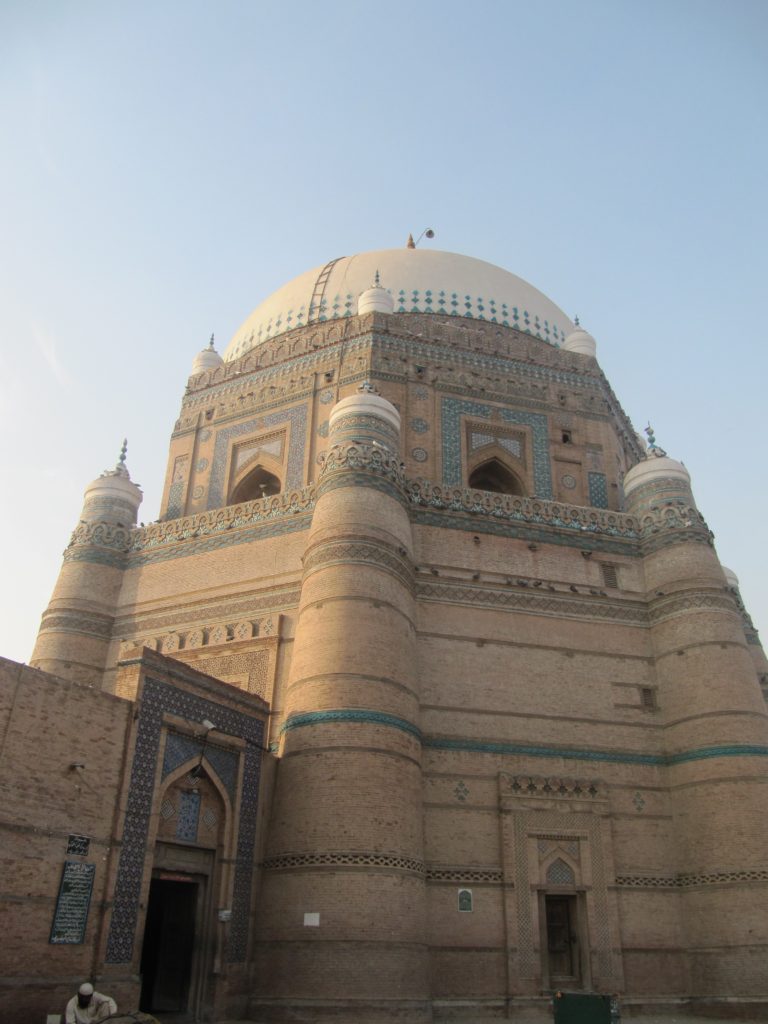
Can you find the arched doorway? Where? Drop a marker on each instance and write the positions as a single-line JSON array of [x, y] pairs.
[[493, 475], [177, 944]]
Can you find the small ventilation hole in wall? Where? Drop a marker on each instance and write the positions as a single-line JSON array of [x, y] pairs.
[[648, 698], [608, 569]]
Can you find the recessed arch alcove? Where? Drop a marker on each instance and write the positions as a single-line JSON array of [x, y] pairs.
[[494, 475], [257, 483]]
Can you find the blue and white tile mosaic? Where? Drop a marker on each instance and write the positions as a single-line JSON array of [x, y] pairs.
[[175, 497], [189, 816], [296, 416], [158, 699], [598, 490], [419, 425], [451, 413], [179, 749], [225, 763]]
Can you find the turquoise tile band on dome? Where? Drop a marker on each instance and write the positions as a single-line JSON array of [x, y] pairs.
[[422, 281], [470, 307], [364, 717]]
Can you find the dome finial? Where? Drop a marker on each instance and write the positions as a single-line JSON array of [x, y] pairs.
[[210, 344], [410, 244], [653, 448], [366, 388], [376, 280], [577, 321], [120, 470]]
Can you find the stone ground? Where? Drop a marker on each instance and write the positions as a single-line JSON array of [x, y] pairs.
[[546, 1018]]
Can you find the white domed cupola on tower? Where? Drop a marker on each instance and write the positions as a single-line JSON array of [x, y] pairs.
[[375, 299], [656, 476], [113, 497], [580, 341], [207, 359]]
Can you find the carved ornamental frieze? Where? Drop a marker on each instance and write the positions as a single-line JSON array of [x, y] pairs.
[[539, 792], [364, 458]]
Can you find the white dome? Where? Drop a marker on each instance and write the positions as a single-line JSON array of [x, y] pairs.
[[419, 281], [112, 497], [581, 341], [655, 468], [730, 577], [207, 359], [375, 300], [366, 404]]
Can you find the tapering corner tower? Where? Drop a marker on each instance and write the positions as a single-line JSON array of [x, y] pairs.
[[344, 882], [715, 735], [518, 737], [78, 623]]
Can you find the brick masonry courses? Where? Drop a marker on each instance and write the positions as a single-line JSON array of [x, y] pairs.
[[437, 673]]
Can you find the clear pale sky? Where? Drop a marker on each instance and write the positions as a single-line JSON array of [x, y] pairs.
[[165, 166]]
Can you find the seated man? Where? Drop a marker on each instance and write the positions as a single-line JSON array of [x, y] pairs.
[[89, 1006]]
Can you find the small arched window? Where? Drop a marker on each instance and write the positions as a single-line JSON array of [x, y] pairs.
[[259, 483], [494, 476], [560, 873]]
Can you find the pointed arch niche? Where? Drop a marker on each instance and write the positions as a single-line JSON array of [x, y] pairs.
[[257, 470], [257, 482], [498, 457], [494, 474]]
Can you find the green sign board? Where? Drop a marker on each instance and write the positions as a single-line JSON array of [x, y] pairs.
[[73, 902]]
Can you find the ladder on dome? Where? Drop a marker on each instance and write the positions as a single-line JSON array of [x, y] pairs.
[[318, 295]]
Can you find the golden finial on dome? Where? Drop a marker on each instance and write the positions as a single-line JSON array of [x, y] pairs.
[[410, 244]]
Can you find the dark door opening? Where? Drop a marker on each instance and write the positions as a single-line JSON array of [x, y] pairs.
[[169, 939], [563, 955]]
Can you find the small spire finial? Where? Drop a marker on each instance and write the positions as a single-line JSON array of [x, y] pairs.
[[366, 388], [210, 345], [376, 280], [410, 244], [653, 448], [577, 321], [123, 453]]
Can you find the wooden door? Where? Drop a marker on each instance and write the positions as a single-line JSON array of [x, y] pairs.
[[562, 942]]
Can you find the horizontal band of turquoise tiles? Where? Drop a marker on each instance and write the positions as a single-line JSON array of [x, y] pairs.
[[608, 756], [513, 749], [351, 715]]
